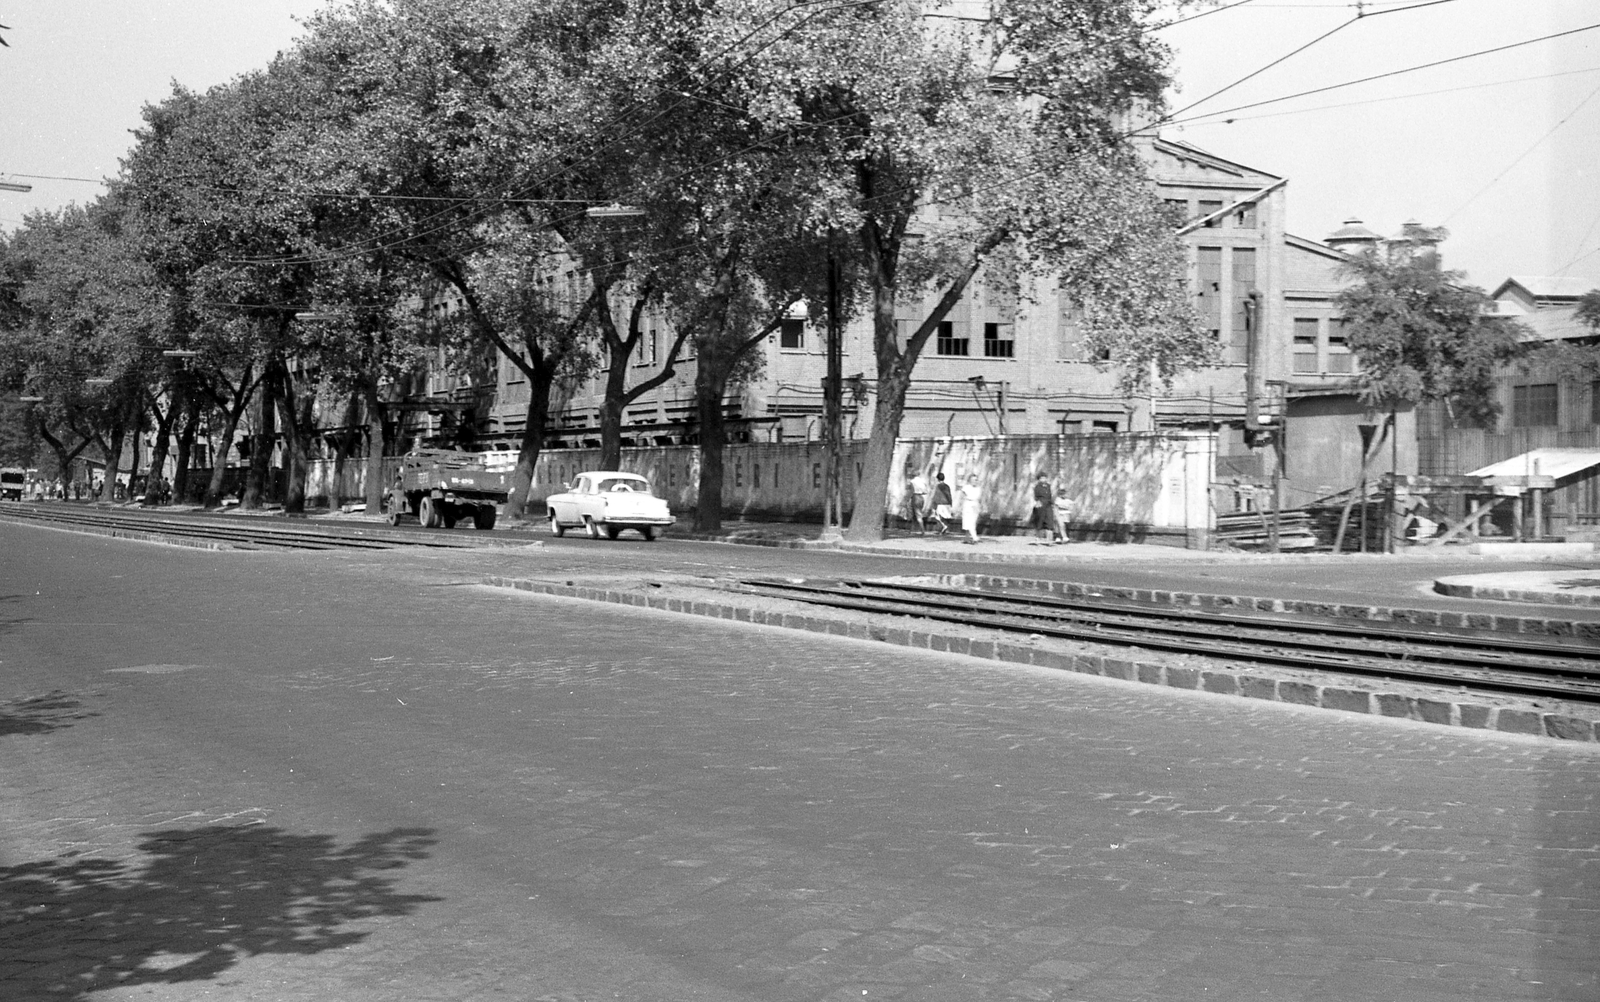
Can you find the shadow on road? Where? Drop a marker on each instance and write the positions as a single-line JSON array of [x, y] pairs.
[[201, 901], [9, 624], [41, 714]]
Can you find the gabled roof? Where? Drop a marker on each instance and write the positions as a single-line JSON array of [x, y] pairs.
[[1305, 244], [1185, 152], [1546, 287]]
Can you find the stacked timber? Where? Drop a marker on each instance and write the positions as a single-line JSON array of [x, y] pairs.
[[1325, 517], [1252, 530]]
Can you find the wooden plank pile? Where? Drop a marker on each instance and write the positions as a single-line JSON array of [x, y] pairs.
[[1252, 530]]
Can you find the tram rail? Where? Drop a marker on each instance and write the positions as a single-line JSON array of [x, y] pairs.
[[1546, 667], [225, 531]]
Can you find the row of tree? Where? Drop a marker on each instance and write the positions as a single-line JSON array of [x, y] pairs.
[[284, 232]]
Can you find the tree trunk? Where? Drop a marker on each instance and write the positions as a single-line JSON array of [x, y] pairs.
[[219, 468], [376, 447], [186, 436], [64, 457], [895, 366], [230, 428], [894, 378], [611, 411], [533, 427], [158, 451], [709, 387], [257, 489], [296, 405], [113, 455]]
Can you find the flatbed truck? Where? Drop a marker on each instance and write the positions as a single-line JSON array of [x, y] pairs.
[[441, 487]]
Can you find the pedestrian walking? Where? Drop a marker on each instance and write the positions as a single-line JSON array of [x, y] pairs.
[[919, 503], [971, 506], [1062, 510], [1043, 520], [943, 504]]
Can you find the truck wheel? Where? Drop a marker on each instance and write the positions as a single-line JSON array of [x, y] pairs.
[[428, 514], [612, 531], [483, 518], [648, 532], [556, 528], [590, 528]]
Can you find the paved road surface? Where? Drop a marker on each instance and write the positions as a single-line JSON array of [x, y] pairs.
[[263, 776]]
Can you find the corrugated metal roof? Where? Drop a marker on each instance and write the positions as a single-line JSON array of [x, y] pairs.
[[1552, 286], [1556, 324], [1550, 462]]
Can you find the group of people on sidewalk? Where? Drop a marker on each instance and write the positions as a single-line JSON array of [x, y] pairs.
[[1052, 509]]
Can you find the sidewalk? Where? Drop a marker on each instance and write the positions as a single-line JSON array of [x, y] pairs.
[[1577, 583]]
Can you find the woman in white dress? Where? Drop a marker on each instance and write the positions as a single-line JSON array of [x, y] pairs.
[[971, 498]]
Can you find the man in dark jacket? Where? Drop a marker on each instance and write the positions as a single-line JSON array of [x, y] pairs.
[[1043, 520]]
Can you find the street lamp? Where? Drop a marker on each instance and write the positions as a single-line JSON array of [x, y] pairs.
[[612, 211], [13, 186], [98, 381], [31, 400]]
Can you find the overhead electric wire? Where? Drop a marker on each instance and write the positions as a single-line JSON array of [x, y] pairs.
[[1196, 17], [1405, 97], [1360, 16], [1380, 76], [1167, 119], [1509, 167], [1255, 73]]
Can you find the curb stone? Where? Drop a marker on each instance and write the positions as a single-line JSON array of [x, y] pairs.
[[1441, 619], [1444, 710], [1445, 586]]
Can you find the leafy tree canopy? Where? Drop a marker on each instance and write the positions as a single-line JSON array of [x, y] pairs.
[[1420, 333]]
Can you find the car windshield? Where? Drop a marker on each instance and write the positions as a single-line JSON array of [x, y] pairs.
[[625, 484]]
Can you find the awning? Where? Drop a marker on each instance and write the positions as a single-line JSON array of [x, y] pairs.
[[1552, 462]]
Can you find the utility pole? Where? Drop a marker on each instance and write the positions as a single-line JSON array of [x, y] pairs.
[[833, 411]]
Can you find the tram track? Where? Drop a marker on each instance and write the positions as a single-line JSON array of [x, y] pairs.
[[220, 531], [1542, 667]]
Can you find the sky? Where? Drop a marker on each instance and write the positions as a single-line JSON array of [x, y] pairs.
[[1502, 150]]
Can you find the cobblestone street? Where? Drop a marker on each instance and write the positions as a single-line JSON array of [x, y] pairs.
[[316, 783]]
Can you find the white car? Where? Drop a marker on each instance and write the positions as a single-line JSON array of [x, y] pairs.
[[608, 502]]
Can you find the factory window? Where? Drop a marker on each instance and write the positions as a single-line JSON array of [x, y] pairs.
[[1208, 288], [1206, 209], [1534, 405], [1245, 310], [1305, 344], [996, 346], [793, 334], [1339, 357], [948, 343]]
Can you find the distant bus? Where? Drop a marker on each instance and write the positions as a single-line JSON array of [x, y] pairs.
[[12, 480]]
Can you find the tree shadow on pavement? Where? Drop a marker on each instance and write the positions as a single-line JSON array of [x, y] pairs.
[[41, 714], [202, 900], [9, 624]]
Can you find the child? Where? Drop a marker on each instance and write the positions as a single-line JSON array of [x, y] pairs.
[[943, 505], [1063, 514]]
